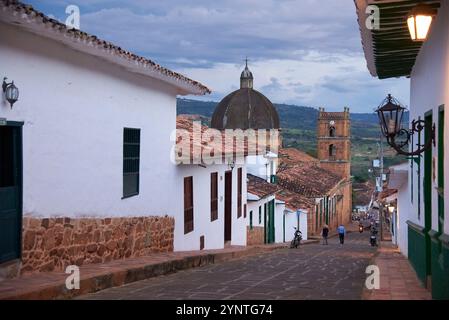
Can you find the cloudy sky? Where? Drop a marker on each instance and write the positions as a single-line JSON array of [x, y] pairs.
[[305, 52]]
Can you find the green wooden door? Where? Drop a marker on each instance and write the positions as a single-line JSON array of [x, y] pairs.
[[269, 221], [10, 192], [271, 231]]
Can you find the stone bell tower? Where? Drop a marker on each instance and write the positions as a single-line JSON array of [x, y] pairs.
[[334, 144]]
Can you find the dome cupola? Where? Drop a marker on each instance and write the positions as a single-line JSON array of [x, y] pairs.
[[245, 108], [246, 78]]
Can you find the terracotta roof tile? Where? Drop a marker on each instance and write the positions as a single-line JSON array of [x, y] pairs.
[[386, 193], [260, 187], [291, 156], [301, 173], [199, 145], [293, 200]]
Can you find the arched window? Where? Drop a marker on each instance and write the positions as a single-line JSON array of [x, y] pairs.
[[332, 151], [332, 132]]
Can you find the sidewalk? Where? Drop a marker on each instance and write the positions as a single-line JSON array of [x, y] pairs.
[[398, 280], [95, 277]]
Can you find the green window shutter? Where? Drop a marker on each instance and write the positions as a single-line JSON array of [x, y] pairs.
[[131, 162], [260, 215]]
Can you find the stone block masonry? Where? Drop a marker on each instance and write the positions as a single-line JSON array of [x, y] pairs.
[[51, 244], [254, 236]]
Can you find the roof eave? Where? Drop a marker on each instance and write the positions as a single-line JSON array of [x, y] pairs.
[[39, 24], [367, 39]]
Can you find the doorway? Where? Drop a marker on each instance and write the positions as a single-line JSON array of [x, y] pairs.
[[269, 222], [10, 191], [228, 207]]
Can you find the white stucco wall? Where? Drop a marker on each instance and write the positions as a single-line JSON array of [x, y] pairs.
[[403, 214], [254, 206], [74, 108], [279, 222], [429, 90], [261, 166], [213, 231], [291, 222]]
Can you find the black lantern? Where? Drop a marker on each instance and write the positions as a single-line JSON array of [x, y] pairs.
[[11, 92], [391, 114]]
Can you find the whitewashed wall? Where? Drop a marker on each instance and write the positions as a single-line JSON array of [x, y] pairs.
[[254, 206], [403, 214], [75, 107], [261, 166], [279, 222], [291, 222], [213, 231], [429, 90]]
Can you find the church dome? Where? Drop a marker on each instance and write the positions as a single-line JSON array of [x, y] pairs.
[[245, 108]]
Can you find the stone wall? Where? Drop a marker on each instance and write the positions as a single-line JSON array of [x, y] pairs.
[[255, 236], [53, 243]]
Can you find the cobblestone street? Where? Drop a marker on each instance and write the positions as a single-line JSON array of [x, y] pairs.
[[313, 271]]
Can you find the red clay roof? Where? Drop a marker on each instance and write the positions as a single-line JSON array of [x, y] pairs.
[[293, 200], [386, 193], [260, 187], [300, 179], [301, 173], [200, 147], [291, 157]]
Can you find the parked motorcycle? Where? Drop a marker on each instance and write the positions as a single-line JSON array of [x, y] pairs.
[[296, 239]]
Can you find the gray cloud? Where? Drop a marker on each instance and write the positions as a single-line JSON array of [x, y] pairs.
[[303, 51]]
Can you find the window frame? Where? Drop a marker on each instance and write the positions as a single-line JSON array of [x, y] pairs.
[[239, 192], [188, 205], [125, 193], [213, 196]]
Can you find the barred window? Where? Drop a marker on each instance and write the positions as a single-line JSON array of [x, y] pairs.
[[213, 196], [188, 205], [131, 162]]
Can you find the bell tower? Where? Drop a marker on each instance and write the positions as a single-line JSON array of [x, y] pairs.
[[334, 145]]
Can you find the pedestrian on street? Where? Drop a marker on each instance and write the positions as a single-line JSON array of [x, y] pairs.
[[341, 234], [325, 233]]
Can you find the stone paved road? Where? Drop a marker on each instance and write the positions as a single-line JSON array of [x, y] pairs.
[[313, 271]]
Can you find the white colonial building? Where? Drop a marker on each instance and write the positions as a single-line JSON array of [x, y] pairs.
[[422, 199], [214, 184], [85, 170]]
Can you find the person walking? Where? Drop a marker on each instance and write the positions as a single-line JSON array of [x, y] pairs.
[[341, 234], [325, 234]]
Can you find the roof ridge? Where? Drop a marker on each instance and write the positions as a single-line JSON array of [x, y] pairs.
[[27, 11]]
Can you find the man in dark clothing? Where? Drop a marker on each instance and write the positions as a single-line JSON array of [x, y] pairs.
[[325, 233]]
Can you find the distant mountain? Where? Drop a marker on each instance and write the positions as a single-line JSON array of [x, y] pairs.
[[363, 125]]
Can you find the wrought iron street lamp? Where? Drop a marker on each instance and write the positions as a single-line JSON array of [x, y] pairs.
[[419, 21], [391, 113], [11, 92]]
